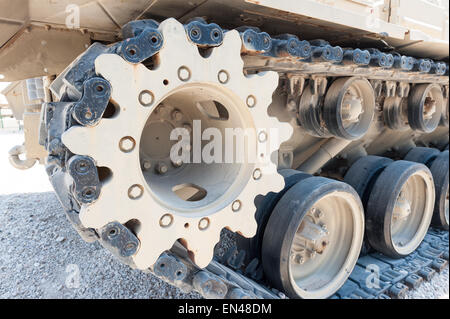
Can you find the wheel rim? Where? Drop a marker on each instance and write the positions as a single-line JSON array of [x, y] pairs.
[[412, 213], [425, 106], [446, 207], [349, 107], [323, 271]]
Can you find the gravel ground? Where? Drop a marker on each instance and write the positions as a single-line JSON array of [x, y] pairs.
[[42, 256]]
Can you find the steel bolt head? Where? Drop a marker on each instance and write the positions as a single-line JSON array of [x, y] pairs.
[[297, 258], [236, 205], [135, 191], [223, 76], [127, 144], [177, 163], [257, 174], [177, 115], [251, 101], [166, 220], [146, 165], [146, 98], [162, 168], [184, 74], [203, 223]]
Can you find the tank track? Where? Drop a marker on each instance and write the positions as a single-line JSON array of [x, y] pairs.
[[229, 276], [387, 278]]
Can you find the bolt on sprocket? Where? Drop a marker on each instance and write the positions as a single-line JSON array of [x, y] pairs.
[[182, 75]]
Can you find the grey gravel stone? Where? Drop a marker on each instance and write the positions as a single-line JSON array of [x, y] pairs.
[[36, 263]]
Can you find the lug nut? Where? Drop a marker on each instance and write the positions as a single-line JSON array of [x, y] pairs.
[[146, 165], [135, 191], [184, 74], [166, 220], [223, 76], [236, 205], [298, 259], [127, 144], [162, 168], [251, 101], [257, 174], [203, 223], [146, 98], [177, 163], [177, 115]]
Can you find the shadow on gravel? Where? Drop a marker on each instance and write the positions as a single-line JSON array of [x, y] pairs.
[[42, 256]]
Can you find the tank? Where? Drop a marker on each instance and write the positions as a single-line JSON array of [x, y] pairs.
[[308, 138]]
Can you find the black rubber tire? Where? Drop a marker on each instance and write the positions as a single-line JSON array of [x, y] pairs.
[[265, 205], [381, 203], [283, 224], [363, 174], [440, 171], [424, 155], [415, 109], [333, 105]]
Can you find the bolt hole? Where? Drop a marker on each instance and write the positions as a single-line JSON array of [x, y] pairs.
[[132, 52], [186, 225], [154, 39], [134, 226], [146, 98], [166, 82], [99, 88], [162, 265], [111, 110]]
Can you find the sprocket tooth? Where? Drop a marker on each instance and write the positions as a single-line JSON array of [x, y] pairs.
[[121, 88], [174, 37], [202, 253], [231, 44]]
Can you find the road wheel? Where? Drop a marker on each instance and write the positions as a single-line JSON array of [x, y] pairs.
[[313, 238], [440, 172], [399, 208]]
